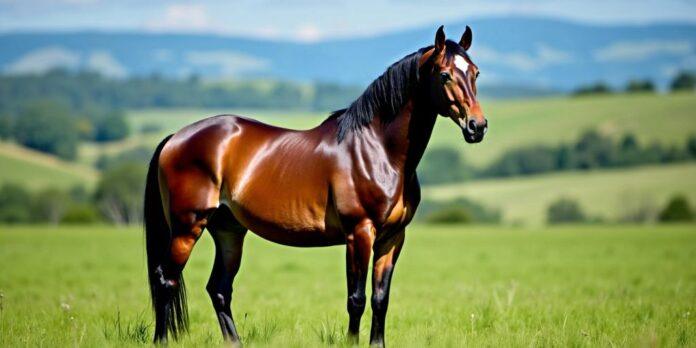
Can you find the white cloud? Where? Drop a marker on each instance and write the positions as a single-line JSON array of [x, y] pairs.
[[308, 33], [104, 63], [184, 17], [642, 50], [44, 59], [230, 63], [542, 56]]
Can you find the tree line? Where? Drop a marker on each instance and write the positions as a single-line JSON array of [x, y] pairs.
[[592, 150], [682, 81]]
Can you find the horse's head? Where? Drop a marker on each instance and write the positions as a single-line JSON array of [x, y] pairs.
[[450, 75]]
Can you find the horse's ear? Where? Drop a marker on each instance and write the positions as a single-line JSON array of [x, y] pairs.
[[465, 41], [440, 39]]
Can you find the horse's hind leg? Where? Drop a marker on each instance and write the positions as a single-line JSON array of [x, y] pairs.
[[229, 239], [191, 200]]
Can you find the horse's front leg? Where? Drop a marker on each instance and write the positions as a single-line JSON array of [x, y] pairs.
[[386, 253], [358, 251]]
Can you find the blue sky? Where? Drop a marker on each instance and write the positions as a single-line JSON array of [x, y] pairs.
[[312, 20]]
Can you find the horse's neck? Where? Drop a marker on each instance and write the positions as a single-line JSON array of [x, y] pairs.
[[406, 136]]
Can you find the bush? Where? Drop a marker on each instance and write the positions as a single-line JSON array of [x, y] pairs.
[[595, 88], [80, 214], [525, 161], [640, 86], [49, 205], [452, 215], [458, 210], [684, 81], [119, 193], [112, 126], [677, 210], [6, 126], [565, 210], [47, 126], [15, 204], [691, 146], [443, 165]]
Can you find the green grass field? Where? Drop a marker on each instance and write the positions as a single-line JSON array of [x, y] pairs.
[[454, 286], [607, 194]]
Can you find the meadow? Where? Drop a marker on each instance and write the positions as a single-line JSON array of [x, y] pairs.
[[454, 285], [609, 194]]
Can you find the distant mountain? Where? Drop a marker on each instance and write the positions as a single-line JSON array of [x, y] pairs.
[[540, 54]]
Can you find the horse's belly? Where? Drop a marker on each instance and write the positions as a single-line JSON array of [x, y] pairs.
[[280, 222]]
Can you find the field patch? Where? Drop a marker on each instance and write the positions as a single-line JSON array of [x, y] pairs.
[[37, 170], [479, 286], [602, 193]]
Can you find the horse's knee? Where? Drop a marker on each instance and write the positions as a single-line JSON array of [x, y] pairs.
[[356, 303]]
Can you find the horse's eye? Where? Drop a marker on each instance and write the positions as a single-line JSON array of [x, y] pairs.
[[477, 74], [445, 77]]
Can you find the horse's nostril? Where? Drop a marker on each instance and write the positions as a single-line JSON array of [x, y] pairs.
[[471, 126]]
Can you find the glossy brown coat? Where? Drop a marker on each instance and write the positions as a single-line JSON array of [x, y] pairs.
[[308, 188]]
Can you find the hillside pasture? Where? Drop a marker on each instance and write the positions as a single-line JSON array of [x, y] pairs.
[[605, 194]]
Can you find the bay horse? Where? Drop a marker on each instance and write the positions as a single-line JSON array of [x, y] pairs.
[[351, 180]]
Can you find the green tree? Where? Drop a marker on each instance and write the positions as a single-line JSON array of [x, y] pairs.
[[594, 150], [677, 209], [595, 88], [6, 126], [47, 126], [15, 204], [634, 86], [49, 205], [119, 193], [112, 126], [691, 146], [565, 210], [684, 81], [451, 215], [443, 165]]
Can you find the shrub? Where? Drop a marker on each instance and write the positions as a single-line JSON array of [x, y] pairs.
[[110, 127], [15, 204], [595, 88], [443, 165], [565, 210], [80, 214], [684, 81], [640, 86], [49, 205], [460, 209], [452, 215], [677, 209], [47, 126], [119, 193]]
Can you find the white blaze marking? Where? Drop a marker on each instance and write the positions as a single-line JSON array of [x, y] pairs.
[[461, 63]]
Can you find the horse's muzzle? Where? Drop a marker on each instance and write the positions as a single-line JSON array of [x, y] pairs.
[[473, 131]]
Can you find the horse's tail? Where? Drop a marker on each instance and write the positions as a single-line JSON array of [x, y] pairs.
[[168, 298]]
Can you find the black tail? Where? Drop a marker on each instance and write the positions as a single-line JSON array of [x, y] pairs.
[[168, 298]]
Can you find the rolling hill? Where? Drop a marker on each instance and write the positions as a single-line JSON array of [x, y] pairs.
[[37, 170]]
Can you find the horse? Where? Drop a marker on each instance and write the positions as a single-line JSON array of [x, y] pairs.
[[351, 180]]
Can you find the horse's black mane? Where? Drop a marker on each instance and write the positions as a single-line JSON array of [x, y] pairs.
[[385, 95]]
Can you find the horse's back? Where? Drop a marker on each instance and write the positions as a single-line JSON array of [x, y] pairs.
[[275, 180]]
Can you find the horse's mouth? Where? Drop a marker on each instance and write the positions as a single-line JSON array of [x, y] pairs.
[[470, 137]]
